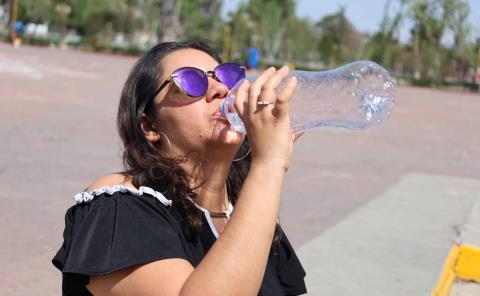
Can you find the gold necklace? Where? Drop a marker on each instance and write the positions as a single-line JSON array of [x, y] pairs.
[[218, 214]]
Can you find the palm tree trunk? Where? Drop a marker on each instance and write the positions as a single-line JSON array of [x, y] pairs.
[[417, 57], [437, 61], [170, 26], [476, 77]]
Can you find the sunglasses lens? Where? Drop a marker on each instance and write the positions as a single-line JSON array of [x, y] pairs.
[[230, 73], [192, 81]]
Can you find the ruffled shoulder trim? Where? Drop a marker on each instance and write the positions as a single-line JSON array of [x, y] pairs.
[[86, 197]]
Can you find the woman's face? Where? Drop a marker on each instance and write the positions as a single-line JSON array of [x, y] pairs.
[[194, 124]]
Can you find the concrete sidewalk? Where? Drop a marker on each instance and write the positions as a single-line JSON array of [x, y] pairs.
[[394, 245]]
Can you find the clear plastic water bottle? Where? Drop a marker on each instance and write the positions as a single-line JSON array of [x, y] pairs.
[[354, 96]]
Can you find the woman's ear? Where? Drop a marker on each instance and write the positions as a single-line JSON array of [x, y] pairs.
[[149, 130]]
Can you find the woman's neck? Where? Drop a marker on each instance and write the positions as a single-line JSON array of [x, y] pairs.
[[212, 195], [209, 182]]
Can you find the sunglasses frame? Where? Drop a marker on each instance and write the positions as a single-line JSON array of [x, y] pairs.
[[206, 73]]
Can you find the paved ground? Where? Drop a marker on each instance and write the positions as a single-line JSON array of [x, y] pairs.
[[395, 244], [57, 112]]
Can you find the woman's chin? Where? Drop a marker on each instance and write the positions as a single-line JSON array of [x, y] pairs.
[[228, 135]]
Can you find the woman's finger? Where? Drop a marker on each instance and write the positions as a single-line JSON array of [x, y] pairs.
[[267, 92], [256, 87], [281, 105], [241, 99]]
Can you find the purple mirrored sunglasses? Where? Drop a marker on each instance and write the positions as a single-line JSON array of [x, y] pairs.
[[193, 82]]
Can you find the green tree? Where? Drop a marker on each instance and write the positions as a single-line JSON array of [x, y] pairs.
[[339, 42], [438, 26], [301, 43], [270, 19], [384, 46], [170, 26], [36, 11], [447, 14], [431, 20], [182, 19], [420, 12], [240, 32], [201, 19], [458, 24], [91, 17]]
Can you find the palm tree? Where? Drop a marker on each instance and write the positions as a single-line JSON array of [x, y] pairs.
[[170, 25], [270, 19], [383, 46], [460, 28], [420, 12], [339, 41], [452, 15]]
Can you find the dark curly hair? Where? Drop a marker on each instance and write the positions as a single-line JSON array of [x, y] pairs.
[[142, 160]]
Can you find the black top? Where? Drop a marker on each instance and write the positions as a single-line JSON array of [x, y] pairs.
[[113, 229]]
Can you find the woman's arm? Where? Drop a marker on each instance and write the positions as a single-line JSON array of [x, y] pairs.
[[236, 262]]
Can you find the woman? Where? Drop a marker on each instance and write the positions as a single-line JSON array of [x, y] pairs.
[[166, 226]]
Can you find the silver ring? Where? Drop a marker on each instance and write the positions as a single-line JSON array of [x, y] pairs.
[[264, 103]]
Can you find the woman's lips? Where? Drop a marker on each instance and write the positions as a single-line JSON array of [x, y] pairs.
[[219, 116]]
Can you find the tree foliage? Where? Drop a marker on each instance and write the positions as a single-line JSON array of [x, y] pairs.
[[283, 37], [339, 42]]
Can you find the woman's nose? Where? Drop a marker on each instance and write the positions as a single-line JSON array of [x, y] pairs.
[[216, 90]]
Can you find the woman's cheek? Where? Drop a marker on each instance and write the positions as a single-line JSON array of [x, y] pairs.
[[191, 120]]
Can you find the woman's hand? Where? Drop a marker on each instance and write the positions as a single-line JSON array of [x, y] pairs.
[[268, 126]]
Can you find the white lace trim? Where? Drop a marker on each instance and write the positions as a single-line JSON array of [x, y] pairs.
[[85, 197]]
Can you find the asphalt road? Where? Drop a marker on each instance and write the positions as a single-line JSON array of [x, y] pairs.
[[58, 133]]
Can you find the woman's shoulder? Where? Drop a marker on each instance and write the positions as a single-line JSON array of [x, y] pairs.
[[117, 185], [111, 219], [111, 180]]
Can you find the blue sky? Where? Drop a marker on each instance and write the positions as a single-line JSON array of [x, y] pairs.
[[364, 14]]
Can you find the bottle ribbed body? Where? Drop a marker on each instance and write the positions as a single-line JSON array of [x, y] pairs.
[[354, 96]]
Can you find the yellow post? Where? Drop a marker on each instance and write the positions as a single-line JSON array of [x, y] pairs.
[[448, 275], [467, 266], [463, 262]]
